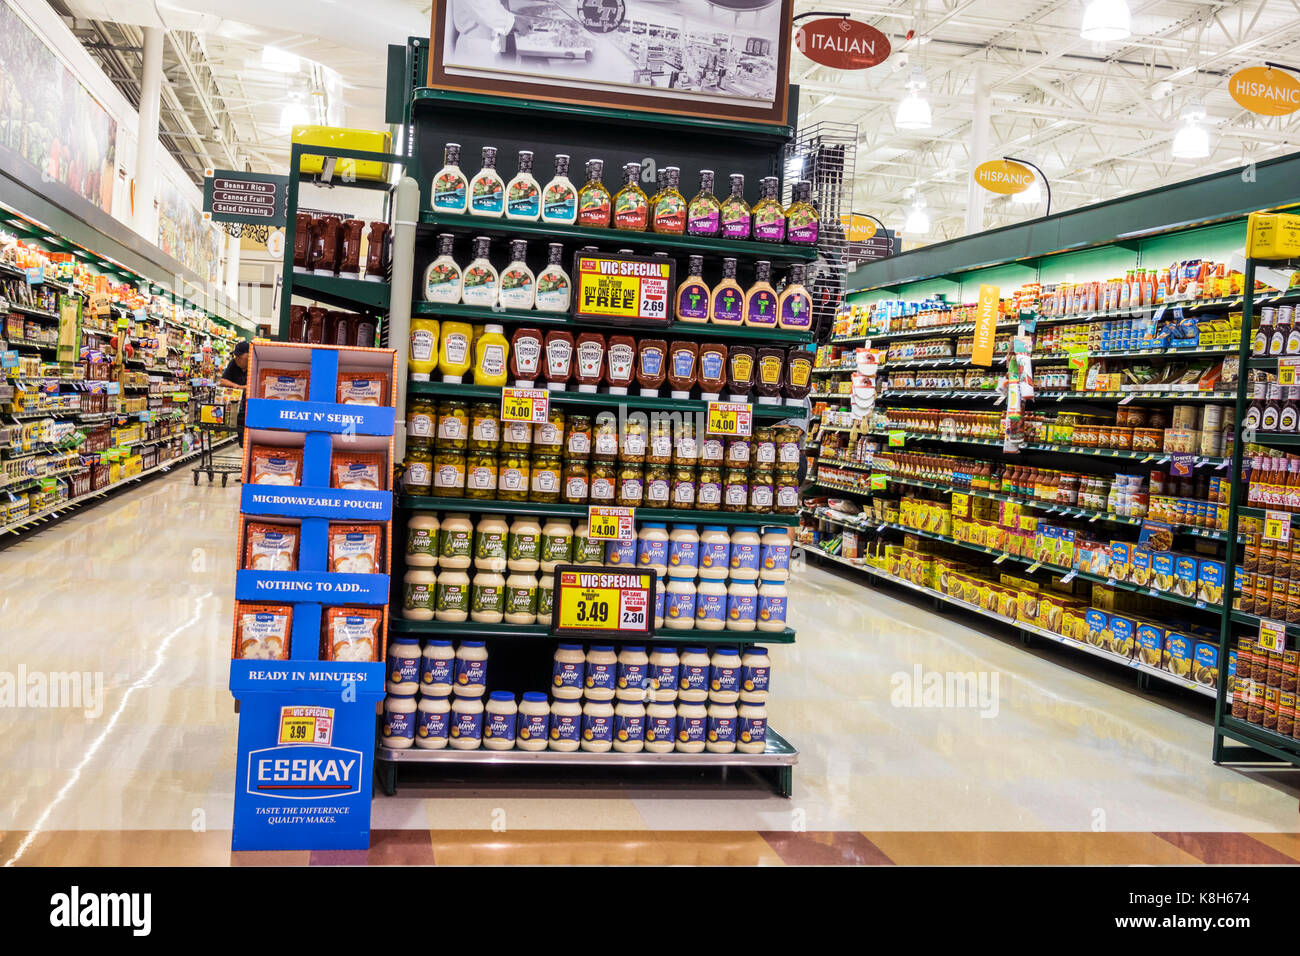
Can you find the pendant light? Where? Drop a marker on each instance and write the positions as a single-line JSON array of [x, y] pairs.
[[1192, 141], [1105, 20], [918, 220], [914, 108]]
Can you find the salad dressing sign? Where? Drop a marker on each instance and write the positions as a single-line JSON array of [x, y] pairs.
[[623, 288]]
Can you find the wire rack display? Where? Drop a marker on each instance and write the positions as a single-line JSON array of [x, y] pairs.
[[824, 154]]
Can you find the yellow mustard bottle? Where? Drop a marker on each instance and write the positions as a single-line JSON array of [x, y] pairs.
[[422, 358], [454, 351], [490, 353]]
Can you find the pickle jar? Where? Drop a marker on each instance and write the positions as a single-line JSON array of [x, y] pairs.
[[421, 420], [631, 485], [453, 426], [547, 477], [484, 427], [578, 440], [762, 492], [548, 437], [787, 493], [659, 451], [513, 477], [418, 479], [686, 450], [633, 444], [658, 486], [713, 451], [481, 471], [683, 486], [604, 439], [577, 481], [449, 474], [516, 437], [708, 493], [604, 481], [763, 448], [739, 453], [787, 448], [735, 490]]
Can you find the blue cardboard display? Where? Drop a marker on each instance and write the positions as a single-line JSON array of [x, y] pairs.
[[281, 587], [320, 417], [338, 504]]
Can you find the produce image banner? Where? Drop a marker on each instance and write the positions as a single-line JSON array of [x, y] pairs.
[[730, 54]]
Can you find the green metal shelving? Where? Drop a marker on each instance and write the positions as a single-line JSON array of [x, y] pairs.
[[472, 629], [563, 510]]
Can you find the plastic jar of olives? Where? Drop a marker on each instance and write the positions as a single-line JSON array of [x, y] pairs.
[[604, 439], [578, 441], [547, 479], [683, 486], [604, 479], [658, 486], [513, 477], [577, 481], [548, 437], [453, 426], [421, 420], [449, 474], [484, 427], [764, 446], [481, 474], [708, 493], [633, 440], [419, 468], [659, 451], [787, 493], [631, 485], [735, 490]]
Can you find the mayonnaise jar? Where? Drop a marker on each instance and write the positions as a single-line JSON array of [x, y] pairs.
[[683, 551], [525, 547], [751, 728], [620, 554], [692, 727], [602, 672], [568, 672], [453, 596], [585, 550], [665, 666], [437, 668], [679, 604], [774, 554], [652, 547], [422, 541], [772, 601], [746, 546], [487, 600], [721, 737], [499, 724], [490, 537], [715, 552], [466, 723], [659, 603], [471, 669], [545, 598], [755, 674], [724, 675], [566, 725], [742, 606], [711, 605], [455, 541], [534, 721], [419, 594], [399, 721], [597, 726], [433, 723], [521, 598], [404, 666], [693, 684], [557, 545], [660, 727], [629, 727], [633, 674]]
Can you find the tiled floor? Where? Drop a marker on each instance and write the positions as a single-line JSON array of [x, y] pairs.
[[1061, 761]]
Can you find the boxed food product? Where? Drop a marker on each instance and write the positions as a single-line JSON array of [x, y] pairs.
[[1179, 648], [355, 548], [1210, 581], [283, 384], [1097, 624], [1206, 669], [1120, 560], [362, 388], [352, 633], [1151, 644], [357, 470], [1162, 571], [1122, 635], [1140, 567], [262, 631]]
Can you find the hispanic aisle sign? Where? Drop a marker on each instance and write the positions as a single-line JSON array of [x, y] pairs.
[[623, 288], [986, 323], [1001, 176], [842, 43], [1264, 90]]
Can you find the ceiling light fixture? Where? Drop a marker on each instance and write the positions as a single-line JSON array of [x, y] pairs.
[[294, 114], [280, 61], [1105, 20], [914, 109], [918, 220], [1192, 141]]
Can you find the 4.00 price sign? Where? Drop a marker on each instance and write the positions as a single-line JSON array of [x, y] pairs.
[[603, 602]]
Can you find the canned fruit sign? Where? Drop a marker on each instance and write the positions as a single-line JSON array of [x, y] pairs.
[[1001, 176], [599, 602], [842, 43], [626, 289], [1265, 91]]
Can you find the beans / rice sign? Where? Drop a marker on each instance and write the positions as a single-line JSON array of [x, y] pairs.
[[1265, 91], [842, 43], [1000, 176]]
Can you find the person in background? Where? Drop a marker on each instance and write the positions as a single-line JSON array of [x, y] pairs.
[[236, 376], [485, 29]]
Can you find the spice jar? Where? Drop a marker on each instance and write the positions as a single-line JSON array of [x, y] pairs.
[[631, 485], [546, 480], [419, 468], [658, 486], [604, 479], [604, 438], [453, 426], [735, 490], [449, 473], [578, 441], [577, 481], [708, 493], [634, 441], [513, 477], [548, 436], [481, 474], [683, 486], [484, 426]]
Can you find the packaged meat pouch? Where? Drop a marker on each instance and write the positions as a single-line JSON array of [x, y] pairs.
[[270, 547], [283, 384], [355, 548], [362, 388], [357, 470], [273, 465], [262, 631], [352, 633]]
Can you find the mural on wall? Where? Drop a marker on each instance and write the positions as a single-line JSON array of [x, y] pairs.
[[183, 234], [49, 119]]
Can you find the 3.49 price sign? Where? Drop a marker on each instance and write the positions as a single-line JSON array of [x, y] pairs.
[[623, 289], [603, 602]]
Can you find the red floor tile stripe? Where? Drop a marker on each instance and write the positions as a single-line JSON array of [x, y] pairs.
[[1227, 848], [828, 848]]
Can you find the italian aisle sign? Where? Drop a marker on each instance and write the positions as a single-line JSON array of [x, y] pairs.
[[842, 43]]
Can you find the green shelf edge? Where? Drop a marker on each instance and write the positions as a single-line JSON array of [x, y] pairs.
[[704, 330], [1275, 438], [1268, 741], [779, 254], [599, 400], [338, 291], [472, 629], [563, 510]]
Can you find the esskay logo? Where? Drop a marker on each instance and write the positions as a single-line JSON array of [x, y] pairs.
[[304, 772]]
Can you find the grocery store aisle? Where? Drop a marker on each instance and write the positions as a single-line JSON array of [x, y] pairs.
[[139, 590]]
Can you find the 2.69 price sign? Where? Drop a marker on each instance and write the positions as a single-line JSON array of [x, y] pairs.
[[603, 602], [620, 288]]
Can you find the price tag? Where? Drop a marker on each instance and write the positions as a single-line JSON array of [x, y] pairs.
[[1000, 558], [306, 725], [525, 405], [611, 524], [1070, 577], [896, 437], [35, 275], [1126, 399], [1277, 526], [735, 419], [1286, 370], [879, 482], [603, 602], [1272, 636]]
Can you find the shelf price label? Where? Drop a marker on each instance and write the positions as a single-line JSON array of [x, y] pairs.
[[1272, 635], [733, 419], [616, 288], [896, 437], [1277, 526], [525, 405], [1286, 370], [603, 602], [306, 725], [611, 524]]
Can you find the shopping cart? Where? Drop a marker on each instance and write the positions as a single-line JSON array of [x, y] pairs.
[[214, 413]]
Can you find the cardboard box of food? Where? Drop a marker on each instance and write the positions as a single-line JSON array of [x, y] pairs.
[[1162, 571], [1151, 644], [1097, 623], [1120, 560], [1140, 567], [1123, 631], [1185, 573], [1209, 584], [1205, 669], [1179, 648]]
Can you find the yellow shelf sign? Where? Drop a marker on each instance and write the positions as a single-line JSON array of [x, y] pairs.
[[1272, 636], [611, 524], [603, 602], [1277, 526], [306, 725], [525, 405], [733, 419]]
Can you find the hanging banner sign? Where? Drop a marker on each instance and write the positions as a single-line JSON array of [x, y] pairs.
[[858, 228], [1265, 91], [842, 43], [1006, 178], [252, 199], [986, 323], [623, 288]]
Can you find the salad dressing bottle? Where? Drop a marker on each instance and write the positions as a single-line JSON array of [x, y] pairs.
[[480, 282], [593, 198], [518, 284], [668, 208], [769, 216], [487, 191], [802, 219], [727, 301], [631, 208], [442, 279], [704, 215], [449, 186], [760, 300], [794, 308], [560, 199], [554, 288], [693, 295], [737, 217], [524, 195]]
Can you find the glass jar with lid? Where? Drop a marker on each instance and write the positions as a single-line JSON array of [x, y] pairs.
[[453, 425], [449, 474], [708, 492], [788, 453], [683, 486], [516, 437], [686, 450], [513, 477], [631, 485], [659, 450], [548, 437], [604, 481], [786, 495], [577, 481], [418, 479], [484, 426], [763, 448], [633, 444], [481, 474], [713, 450], [735, 490], [604, 438], [658, 486], [548, 475], [421, 420], [578, 440], [739, 452], [762, 491]]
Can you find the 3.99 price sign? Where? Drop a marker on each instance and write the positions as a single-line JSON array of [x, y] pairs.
[[623, 288], [603, 602]]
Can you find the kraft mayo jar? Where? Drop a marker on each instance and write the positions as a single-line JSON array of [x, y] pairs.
[[692, 727], [755, 673], [633, 674], [568, 672], [602, 673], [521, 598], [652, 547], [679, 604], [499, 724], [487, 599], [545, 599], [399, 721], [772, 600], [437, 668], [597, 726], [419, 593], [774, 554], [557, 545], [721, 736], [455, 541], [665, 666], [466, 723], [453, 596], [620, 554], [683, 551], [471, 669], [746, 547], [404, 666], [629, 727], [715, 552], [742, 606], [433, 723], [422, 541], [660, 727], [490, 538], [524, 545], [534, 721], [566, 725], [711, 605], [751, 728], [724, 675], [693, 684], [659, 603]]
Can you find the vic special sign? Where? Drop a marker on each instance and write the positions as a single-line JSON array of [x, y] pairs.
[[623, 289]]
